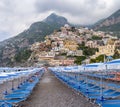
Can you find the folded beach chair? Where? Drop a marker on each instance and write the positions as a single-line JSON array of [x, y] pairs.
[[20, 95], [15, 100], [109, 103], [97, 93], [6, 104], [105, 95], [11, 102]]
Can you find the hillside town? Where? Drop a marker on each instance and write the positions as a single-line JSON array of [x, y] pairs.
[[71, 46]]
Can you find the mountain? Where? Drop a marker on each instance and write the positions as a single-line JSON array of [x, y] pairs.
[[39, 30], [111, 23], [36, 32], [97, 23], [53, 18]]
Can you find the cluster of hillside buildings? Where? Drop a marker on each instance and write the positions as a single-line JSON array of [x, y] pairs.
[[59, 47]]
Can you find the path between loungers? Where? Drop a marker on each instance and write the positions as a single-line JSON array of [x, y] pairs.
[[50, 92]]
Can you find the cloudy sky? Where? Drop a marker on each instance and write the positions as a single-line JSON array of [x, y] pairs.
[[17, 15]]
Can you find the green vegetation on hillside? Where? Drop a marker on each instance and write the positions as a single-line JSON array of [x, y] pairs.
[[100, 58], [96, 38], [111, 28], [87, 51], [116, 55], [38, 31], [63, 54], [23, 55], [79, 59]]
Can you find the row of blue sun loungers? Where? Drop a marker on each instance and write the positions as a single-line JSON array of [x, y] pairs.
[[104, 97], [104, 76], [22, 92]]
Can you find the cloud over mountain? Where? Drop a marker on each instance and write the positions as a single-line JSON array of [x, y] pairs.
[[16, 15]]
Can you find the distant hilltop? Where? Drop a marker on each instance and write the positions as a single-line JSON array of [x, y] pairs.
[[111, 23]]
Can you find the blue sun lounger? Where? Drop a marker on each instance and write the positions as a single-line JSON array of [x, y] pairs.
[[97, 93], [12, 96], [15, 100], [5, 104], [109, 103], [21, 91], [10, 102], [106, 96]]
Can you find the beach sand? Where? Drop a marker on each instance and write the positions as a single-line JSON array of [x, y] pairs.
[[50, 92]]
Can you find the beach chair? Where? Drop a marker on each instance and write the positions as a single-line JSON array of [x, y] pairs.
[[108, 95], [13, 95], [109, 103], [15, 100], [11, 102], [6, 104], [97, 93]]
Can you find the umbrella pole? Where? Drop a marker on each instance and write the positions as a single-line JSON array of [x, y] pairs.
[[18, 83], [6, 91], [12, 84], [86, 80], [102, 98], [86, 83], [20, 80]]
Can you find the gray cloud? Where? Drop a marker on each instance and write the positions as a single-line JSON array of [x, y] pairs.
[[78, 7], [16, 15], [87, 11]]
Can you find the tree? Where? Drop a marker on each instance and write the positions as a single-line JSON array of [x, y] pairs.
[[116, 55], [23, 55], [100, 58], [94, 37], [92, 60], [87, 51], [73, 29], [79, 59]]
